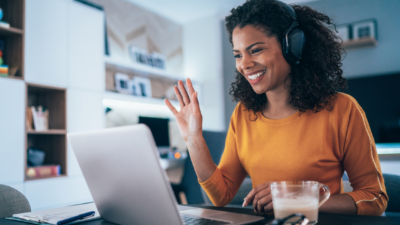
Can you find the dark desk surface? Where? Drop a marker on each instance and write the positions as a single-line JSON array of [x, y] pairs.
[[323, 218]]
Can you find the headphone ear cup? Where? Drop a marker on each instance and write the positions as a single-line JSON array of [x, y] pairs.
[[296, 39], [284, 43]]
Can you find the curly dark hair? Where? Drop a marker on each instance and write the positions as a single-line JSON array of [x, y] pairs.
[[318, 77]]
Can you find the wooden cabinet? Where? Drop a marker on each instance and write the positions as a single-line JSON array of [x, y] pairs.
[[52, 141], [46, 27], [86, 47], [12, 130]]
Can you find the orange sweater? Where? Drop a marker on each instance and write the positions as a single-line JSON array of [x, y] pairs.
[[309, 146]]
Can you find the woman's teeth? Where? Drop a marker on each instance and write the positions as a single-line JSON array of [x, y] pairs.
[[257, 75]]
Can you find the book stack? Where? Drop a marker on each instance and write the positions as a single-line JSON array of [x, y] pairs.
[[4, 24], [3, 70], [37, 118], [43, 171]]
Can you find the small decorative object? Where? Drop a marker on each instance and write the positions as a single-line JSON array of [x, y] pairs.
[[343, 32], [364, 29], [143, 86], [2, 23], [122, 83], [141, 56], [35, 157], [40, 118]]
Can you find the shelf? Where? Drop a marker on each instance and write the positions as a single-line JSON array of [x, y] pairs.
[[365, 42], [139, 68], [4, 32], [47, 177], [52, 131], [135, 99]]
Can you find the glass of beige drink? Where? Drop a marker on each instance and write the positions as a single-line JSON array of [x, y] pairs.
[[289, 197]]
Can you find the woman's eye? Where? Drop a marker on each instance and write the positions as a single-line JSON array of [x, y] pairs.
[[255, 50], [237, 56]]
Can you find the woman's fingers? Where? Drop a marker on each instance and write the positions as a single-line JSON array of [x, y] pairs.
[[249, 198], [170, 106], [189, 86], [179, 96], [195, 103], [183, 92], [269, 207], [263, 203], [257, 203]]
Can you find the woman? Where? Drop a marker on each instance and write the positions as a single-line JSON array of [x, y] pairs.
[[291, 123]]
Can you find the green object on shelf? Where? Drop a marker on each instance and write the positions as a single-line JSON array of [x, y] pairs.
[[1, 61]]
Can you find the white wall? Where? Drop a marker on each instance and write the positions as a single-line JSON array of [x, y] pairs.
[[202, 55], [381, 59]]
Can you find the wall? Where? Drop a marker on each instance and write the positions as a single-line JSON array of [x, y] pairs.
[[379, 60], [128, 24], [203, 62], [229, 74]]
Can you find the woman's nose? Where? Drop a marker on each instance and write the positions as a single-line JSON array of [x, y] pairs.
[[246, 63]]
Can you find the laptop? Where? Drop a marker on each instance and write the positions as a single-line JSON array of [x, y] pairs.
[[122, 170]]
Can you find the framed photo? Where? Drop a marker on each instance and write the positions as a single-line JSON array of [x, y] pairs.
[[343, 32], [142, 86], [364, 29], [122, 83], [133, 87]]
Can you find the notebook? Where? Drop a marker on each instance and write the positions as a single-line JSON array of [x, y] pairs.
[[52, 216]]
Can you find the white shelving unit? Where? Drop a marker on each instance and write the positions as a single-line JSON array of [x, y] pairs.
[[143, 69], [130, 98]]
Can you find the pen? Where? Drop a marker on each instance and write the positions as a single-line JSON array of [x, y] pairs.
[[75, 218]]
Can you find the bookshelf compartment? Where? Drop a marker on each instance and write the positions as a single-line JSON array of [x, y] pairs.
[[12, 54], [54, 147], [52, 141], [52, 99], [13, 12], [13, 37]]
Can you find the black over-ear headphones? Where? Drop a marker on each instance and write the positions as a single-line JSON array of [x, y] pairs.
[[293, 38]]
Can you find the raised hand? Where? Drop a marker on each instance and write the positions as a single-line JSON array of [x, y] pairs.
[[189, 118]]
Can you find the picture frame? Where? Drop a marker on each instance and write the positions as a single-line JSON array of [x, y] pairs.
[[141, 56], [364, 29], [343, 32], [122, 83], [142, 86]]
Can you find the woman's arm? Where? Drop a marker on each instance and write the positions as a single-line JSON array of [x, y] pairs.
[[201, 158], [341, 203], [361, 162], [220, 183], [189, 121]]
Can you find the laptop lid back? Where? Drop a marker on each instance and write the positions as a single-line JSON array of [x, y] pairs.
[[127, 183]]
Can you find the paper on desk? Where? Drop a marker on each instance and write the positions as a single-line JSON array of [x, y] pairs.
[[52, 216]]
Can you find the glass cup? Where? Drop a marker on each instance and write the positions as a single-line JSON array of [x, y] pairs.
[[290, 197]]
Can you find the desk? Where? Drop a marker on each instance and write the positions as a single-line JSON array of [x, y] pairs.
[[324, 218]]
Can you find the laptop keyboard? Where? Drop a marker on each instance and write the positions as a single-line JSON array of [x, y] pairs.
[[200, 221]]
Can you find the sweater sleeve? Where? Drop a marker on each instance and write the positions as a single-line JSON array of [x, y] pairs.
[[361, 162], [223, 185]]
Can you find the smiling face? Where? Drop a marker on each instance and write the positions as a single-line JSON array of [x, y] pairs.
[[259, 59]]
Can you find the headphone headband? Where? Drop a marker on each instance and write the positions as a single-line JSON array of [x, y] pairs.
[[288, 9], [293, 38]]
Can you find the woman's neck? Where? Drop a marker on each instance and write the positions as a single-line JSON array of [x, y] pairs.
[[278, 104]]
